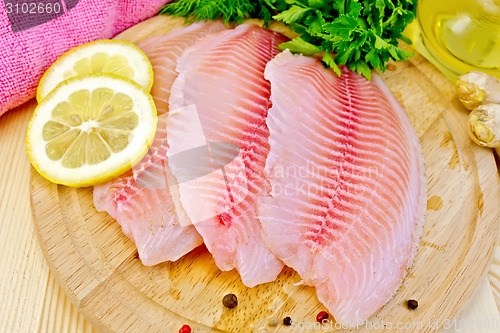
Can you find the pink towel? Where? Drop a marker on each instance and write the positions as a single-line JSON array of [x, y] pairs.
[[28, 46]]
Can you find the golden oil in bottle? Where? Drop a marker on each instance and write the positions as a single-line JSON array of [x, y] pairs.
[[458, 36]]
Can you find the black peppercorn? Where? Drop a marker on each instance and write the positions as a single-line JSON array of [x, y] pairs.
[[230, 301], [412, 304], [287, 321]]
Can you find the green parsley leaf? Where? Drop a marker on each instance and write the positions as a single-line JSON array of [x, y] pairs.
[[298, 45], [292, 15], [343, 26], [354, 8], [362, 68], [363, 34], [328, 60], [317, 3], [380, 43]]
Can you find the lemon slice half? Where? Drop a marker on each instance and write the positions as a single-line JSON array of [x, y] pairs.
[[91, 129], [103, 56]]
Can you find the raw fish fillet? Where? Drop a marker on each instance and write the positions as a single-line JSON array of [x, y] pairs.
[[163, 52], [141, 200], [221, 96], [348, 187]]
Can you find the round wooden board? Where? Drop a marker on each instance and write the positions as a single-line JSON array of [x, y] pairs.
[[96, 265]]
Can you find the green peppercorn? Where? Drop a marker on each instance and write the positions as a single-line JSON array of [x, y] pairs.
[[273, 321]]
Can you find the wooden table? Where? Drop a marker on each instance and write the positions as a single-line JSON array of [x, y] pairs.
[[30, 299]]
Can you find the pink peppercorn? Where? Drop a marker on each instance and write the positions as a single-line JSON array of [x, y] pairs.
[[185, 329], [322, 317]]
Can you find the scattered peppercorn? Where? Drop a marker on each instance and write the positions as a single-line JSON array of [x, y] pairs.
[[230, 301], [185, 329], [273, 321], [287, 321], [136, 255], [322, 317], [412, 304]]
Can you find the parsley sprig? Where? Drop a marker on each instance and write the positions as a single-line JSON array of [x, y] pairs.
[[363, 34]]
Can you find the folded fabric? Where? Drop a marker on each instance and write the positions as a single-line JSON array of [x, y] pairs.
[[31, 38]]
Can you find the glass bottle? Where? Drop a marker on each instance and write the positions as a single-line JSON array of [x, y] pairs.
[[458, 36]]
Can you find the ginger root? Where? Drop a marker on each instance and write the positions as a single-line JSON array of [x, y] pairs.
[[478, 88], [484, 125], [480, 93]]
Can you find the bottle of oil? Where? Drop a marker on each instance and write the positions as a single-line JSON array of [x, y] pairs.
[[458, 36]]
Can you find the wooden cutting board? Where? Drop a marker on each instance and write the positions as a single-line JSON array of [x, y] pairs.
[[97, 266]]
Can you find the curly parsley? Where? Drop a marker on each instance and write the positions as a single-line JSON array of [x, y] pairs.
[[363, 34]]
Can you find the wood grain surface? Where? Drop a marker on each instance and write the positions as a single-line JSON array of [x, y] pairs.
[[32, 301], [95, 263]]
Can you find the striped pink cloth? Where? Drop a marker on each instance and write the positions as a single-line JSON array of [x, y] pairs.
[[28, 46]]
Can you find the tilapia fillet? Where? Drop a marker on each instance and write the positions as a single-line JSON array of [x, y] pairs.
[[348, 187], [141, 200], [220, 96], [163, 52]]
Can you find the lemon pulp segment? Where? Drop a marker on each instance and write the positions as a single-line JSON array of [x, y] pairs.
[[104, 123]]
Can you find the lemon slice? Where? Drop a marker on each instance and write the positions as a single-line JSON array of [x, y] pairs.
[[103, 56], [91, 129]]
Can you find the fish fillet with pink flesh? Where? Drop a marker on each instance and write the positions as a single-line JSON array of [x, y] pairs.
[[221, 96], [348, 187], [141, 200], [163, 52]]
